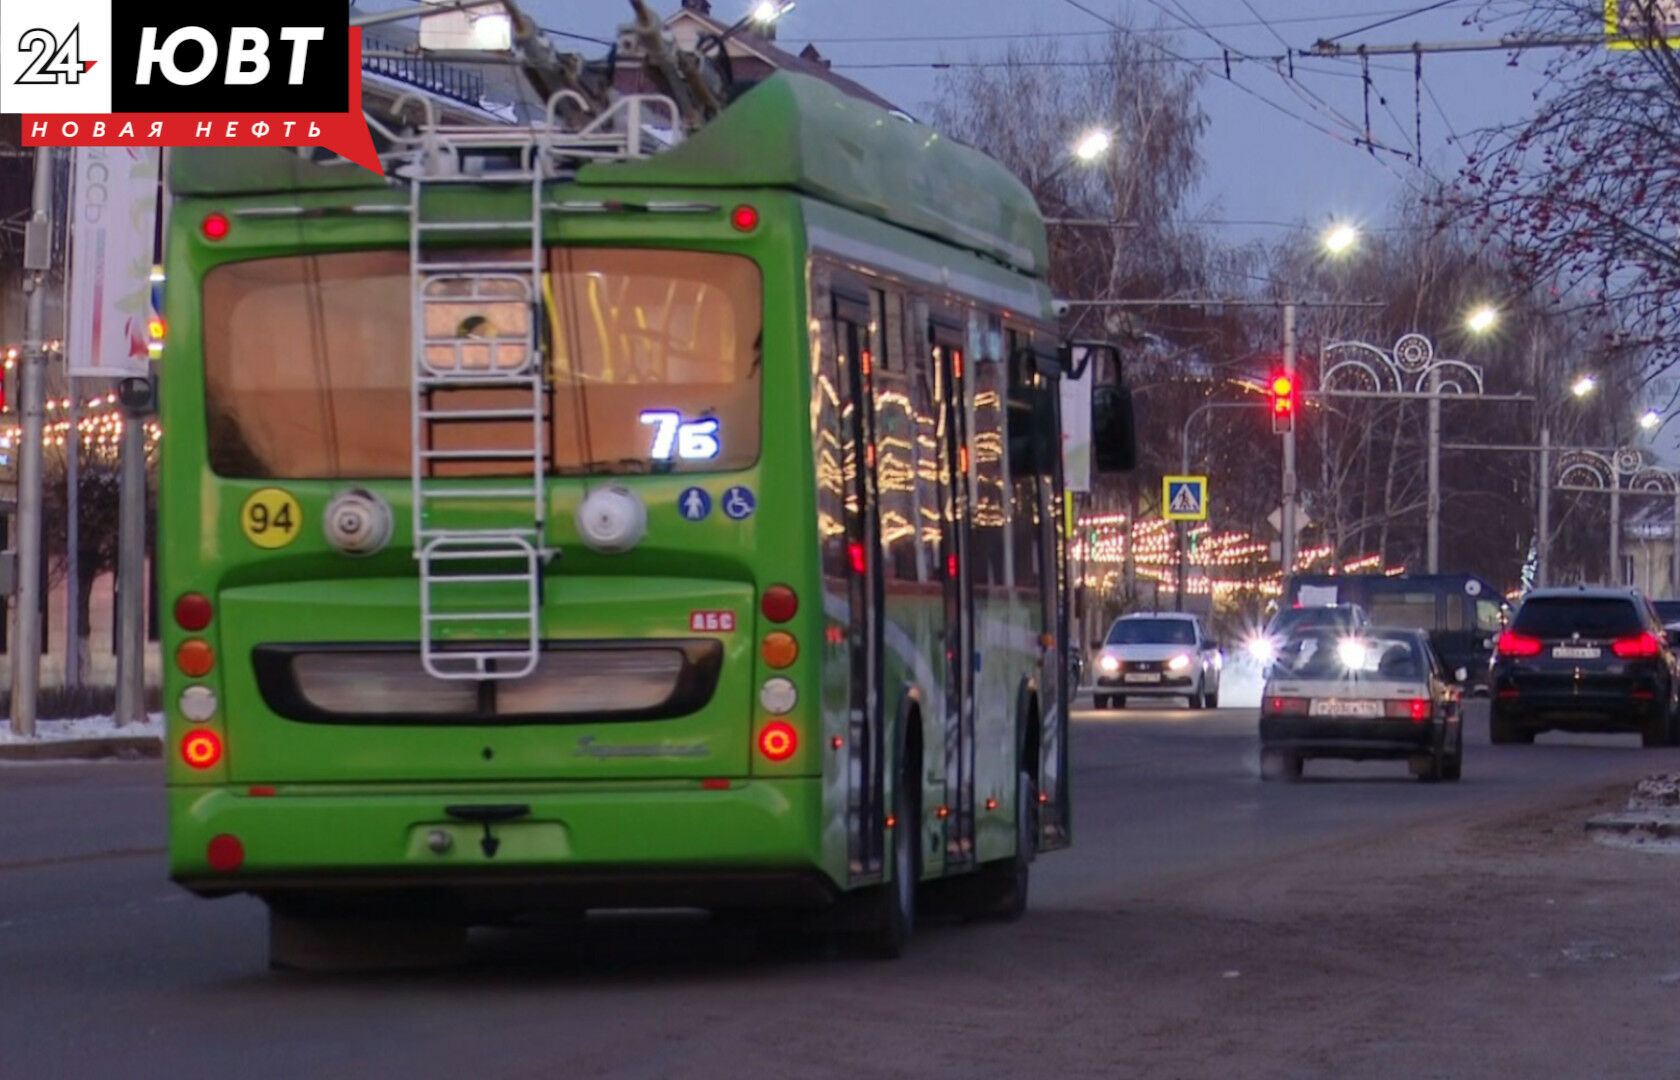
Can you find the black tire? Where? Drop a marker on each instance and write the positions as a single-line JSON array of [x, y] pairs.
[[1503, 731], [1656, 733], [1452, 768], [1197, 700], [1280, 765], [1117, 701], [1213, 698], [1428, 767], [884, 916], [1100, 701], [311, 941], [998, 890]]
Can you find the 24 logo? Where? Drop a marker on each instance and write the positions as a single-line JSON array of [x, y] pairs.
[[52, 63]]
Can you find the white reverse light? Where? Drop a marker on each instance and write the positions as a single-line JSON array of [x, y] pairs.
[[198, 703], [778, 696]]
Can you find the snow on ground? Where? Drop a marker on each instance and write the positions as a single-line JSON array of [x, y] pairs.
[[88, 727]]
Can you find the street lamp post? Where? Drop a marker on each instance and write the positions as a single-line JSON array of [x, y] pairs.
[[1184, 470]]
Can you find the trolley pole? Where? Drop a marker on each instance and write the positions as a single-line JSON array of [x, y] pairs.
[[1287, 546], [26, 607], [1434, 546], [131, 555]]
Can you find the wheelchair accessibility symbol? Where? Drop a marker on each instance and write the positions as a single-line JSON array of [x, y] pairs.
[[738, 503]]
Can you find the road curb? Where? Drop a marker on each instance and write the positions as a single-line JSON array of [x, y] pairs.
[[127, 747]]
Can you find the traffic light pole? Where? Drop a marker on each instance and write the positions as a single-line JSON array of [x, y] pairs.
[[1287, 546]]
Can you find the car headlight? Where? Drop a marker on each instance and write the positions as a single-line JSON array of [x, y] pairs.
[[1351, 652], [1178, 663], [1108, 664], [1262, 649]]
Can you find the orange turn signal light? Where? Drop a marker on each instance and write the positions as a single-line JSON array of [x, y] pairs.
[[195, 658], [779, 649]]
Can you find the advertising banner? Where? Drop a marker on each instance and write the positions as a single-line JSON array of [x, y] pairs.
[[113, 199]]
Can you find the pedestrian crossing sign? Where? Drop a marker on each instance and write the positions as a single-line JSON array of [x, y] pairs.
[[1184, 498]]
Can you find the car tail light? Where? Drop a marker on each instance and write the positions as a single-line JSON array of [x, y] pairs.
[[778, 740], [744, 218], [779, 603], [1417, 710], [1642, 645], [192, 611], [215, 226], [195, 658], [1279, 706], [224, 853], [201, 749], [1512, 643]]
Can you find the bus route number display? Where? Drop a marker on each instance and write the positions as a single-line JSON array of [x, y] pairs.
[[270, 518], [676, 439]]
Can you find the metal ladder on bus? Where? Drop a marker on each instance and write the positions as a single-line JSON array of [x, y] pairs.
[[480, 543]]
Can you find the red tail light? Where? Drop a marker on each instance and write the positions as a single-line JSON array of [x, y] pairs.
[[859, 563], [192, 611], [1643, 645], [1417, 710], [744, 218], [225, 853], [1279, 706], [779, 603], [1512, 643], [215, 226], [778, 740], [201, 749]]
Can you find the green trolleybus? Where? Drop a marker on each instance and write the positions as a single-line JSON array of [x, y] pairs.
[[566, 522]]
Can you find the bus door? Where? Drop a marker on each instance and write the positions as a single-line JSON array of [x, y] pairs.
[[958, 629], [867, 749]]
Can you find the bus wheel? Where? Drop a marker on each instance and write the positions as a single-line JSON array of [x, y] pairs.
[[884, 915], [309, 941]]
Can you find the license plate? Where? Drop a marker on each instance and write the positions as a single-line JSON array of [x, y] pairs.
[[1143, 676], [1575, 652], [1332, 707]]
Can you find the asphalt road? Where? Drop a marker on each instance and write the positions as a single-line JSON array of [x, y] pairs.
[[106, 969]]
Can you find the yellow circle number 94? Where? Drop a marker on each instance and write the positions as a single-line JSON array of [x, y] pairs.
[[271, 518]]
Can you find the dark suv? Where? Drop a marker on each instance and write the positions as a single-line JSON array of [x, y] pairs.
[[1584, 659]]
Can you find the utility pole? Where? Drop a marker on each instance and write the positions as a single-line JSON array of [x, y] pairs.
[[135, 396], [1433, 559], [1287, 547], [1543, 541], [26, 609]]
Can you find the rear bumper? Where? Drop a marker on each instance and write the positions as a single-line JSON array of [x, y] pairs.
[[1353, 739], [1576, 712], [587, 844]]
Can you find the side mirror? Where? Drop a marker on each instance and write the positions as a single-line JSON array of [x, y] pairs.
[[1113, 430]]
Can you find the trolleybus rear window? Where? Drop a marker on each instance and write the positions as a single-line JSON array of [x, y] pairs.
[[654, 362]]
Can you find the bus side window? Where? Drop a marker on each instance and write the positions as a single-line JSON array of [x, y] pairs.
[[895, 442], [988, 519]]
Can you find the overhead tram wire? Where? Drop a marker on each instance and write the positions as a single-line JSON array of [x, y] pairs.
[[1425, 9], [1263, 99], [1242, 24]]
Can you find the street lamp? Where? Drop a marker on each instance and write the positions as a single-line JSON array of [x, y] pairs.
[[768, 11], [1482, 318], [1092, 145], [1583, 386], [1339, 239]]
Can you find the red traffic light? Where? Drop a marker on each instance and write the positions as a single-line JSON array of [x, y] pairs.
[[1283, 402]]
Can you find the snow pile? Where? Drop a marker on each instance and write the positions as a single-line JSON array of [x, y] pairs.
[[88, 727], [1651, 821], [1660, 792]]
